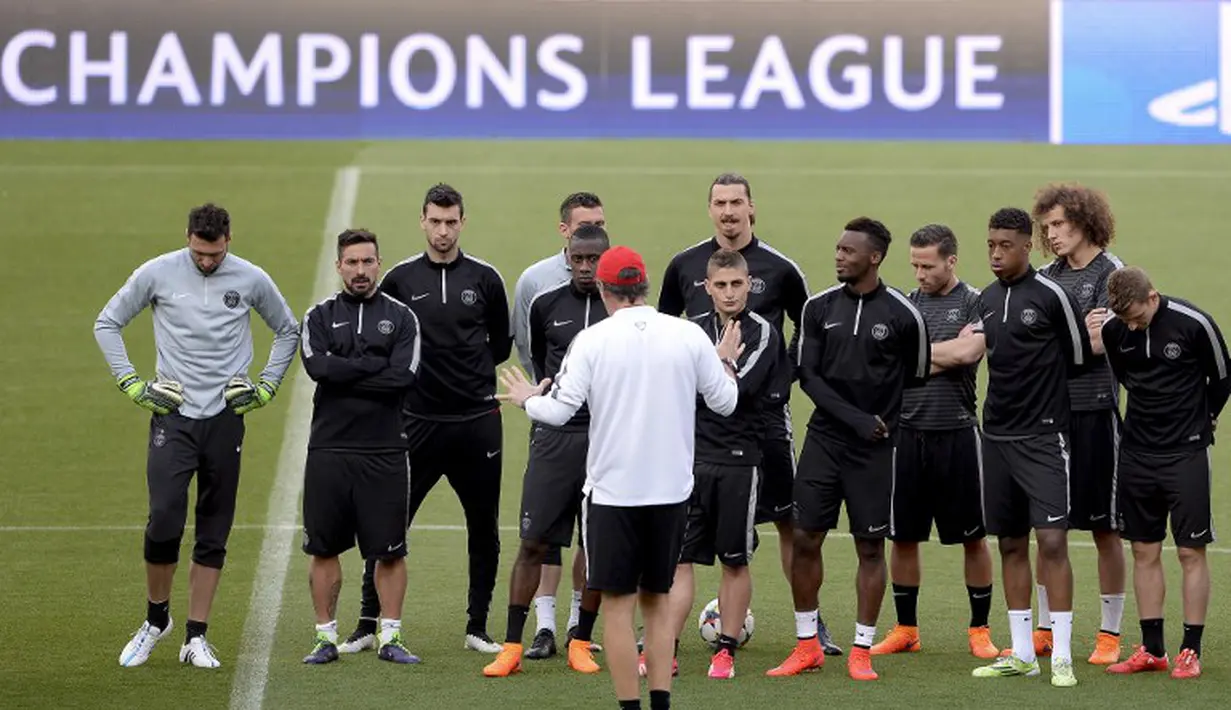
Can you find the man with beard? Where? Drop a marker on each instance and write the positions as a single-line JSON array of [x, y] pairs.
[[862, 343], [453, 420], [361, 348], [556, 470]]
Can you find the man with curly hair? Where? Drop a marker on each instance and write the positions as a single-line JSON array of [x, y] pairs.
[[1074, 223]]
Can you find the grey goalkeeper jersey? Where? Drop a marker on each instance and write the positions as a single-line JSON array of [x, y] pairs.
[[540, 275], [201, 325], [1095, 389], [947, 400]]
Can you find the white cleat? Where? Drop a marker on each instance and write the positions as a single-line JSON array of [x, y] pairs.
[[357, 643], [142, 643], [199, 653], [482, 644]]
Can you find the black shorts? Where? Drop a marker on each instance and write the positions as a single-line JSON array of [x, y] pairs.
[[356, 494], [1025, 484], [551, 491], [777, 469], [938, 478], [632, 549], [1094, 438], [721, 515], [857, 472], [1154, 486]]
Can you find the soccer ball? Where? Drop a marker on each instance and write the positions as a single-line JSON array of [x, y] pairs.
[[710, 625]]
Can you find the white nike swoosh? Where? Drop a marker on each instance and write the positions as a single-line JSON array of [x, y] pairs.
[[492, 454], [1128, 350], [394, 547], [420, 297], [1199, 534], [970, 532], [558, 323], [698, 283], [1097, 517], [877, 529], [339, 325], [831, 325], [1054, 518]]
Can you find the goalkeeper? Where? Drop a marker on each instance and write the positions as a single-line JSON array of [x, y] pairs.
[[200, 297]]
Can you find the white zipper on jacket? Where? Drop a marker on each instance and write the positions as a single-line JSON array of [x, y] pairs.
[[858, 314], [1005, 318], [360, 330], [444, 296], [586, 322]]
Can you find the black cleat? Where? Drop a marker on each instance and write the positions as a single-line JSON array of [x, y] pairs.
[[822, 635], [543, 645]]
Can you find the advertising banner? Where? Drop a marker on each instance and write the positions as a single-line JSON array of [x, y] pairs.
[[372, 69]]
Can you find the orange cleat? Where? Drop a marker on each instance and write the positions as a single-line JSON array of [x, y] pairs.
[[901, 639], [859, 664], [981, 646], [641, 670], [1187, 665], [722, 665], [1142, 661], [807, 656], [1106, 650], [1042, 643], [580, 657], [507, 662]]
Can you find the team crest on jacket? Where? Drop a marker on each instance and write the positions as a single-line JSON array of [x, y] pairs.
[[757, 285], [880, 331], [952, 315], [1171, 351], [469, 297], [1029, 316], [385, 327], [230, 299], [1087, 291]]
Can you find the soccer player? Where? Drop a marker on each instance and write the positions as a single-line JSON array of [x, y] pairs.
[[778, 290], [556, 469], [640, 372], [1075, 224], [721, 511], [453, 420], [1035, 342], [361, 347], [1172, 360], [201, 297], [938, 449], [862, 343], [577, 210]]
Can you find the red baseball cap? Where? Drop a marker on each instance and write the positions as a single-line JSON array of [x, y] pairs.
[[617, 259]]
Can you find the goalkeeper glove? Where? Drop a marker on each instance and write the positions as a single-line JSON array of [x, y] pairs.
[[158, 396], [242, 396]]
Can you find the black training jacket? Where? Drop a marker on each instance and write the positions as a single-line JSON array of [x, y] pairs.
[[857, 353], [464, 312], [556, 315], [1175, 372], [1036, 341], [363, 355]]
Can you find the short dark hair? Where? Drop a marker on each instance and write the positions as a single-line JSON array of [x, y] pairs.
[[443, 195], [588, 200], [590, 231], [876, 231], [630, 292], [1127, 286], [209, 222], [726, 259], [356, 236], [935, 235], [1087, 208], [731, 179], [1013, 219]]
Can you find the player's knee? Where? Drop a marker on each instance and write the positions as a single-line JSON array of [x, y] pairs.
[[1014, 546], [535, 552], [870, 551], [1191, 556], [162, 552], [806, 544], [1053, 546], [209, 553]]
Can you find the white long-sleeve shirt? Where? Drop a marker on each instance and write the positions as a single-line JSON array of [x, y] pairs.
[[640, 373]]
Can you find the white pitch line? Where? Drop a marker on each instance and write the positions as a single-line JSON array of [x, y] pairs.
[[252, 665]]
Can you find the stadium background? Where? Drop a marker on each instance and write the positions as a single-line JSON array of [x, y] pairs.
[[85, 198]]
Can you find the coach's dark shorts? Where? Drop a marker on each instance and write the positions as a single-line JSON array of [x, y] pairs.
[[857, 472], [634, 548], [938, 477], [1094, 440], [1154, 486], [777, 469], [1025, 484], [721, 515], [356, 494], [551, 491]]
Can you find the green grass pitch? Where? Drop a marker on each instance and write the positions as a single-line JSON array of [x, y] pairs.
[[78, 217]]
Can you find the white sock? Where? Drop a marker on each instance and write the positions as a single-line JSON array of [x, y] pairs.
[[545, 612], [1113, 612], [330, 630], [1062, 636], [389, 627], [1020, 628], [864, 635], [574, 610], [1044, 612], [805, 624]]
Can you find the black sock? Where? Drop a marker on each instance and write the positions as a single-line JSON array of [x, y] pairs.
[[906, 601], [1152, 636], [194, 629], [1192, 638], [477, 627], [728, 643], [517, 623], [980, 605], [676, 654], [630, 704], [660, 700], [367, 625], [158, 614], [584, 631]]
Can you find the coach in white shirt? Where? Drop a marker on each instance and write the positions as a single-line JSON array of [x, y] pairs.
[[640, 372]]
